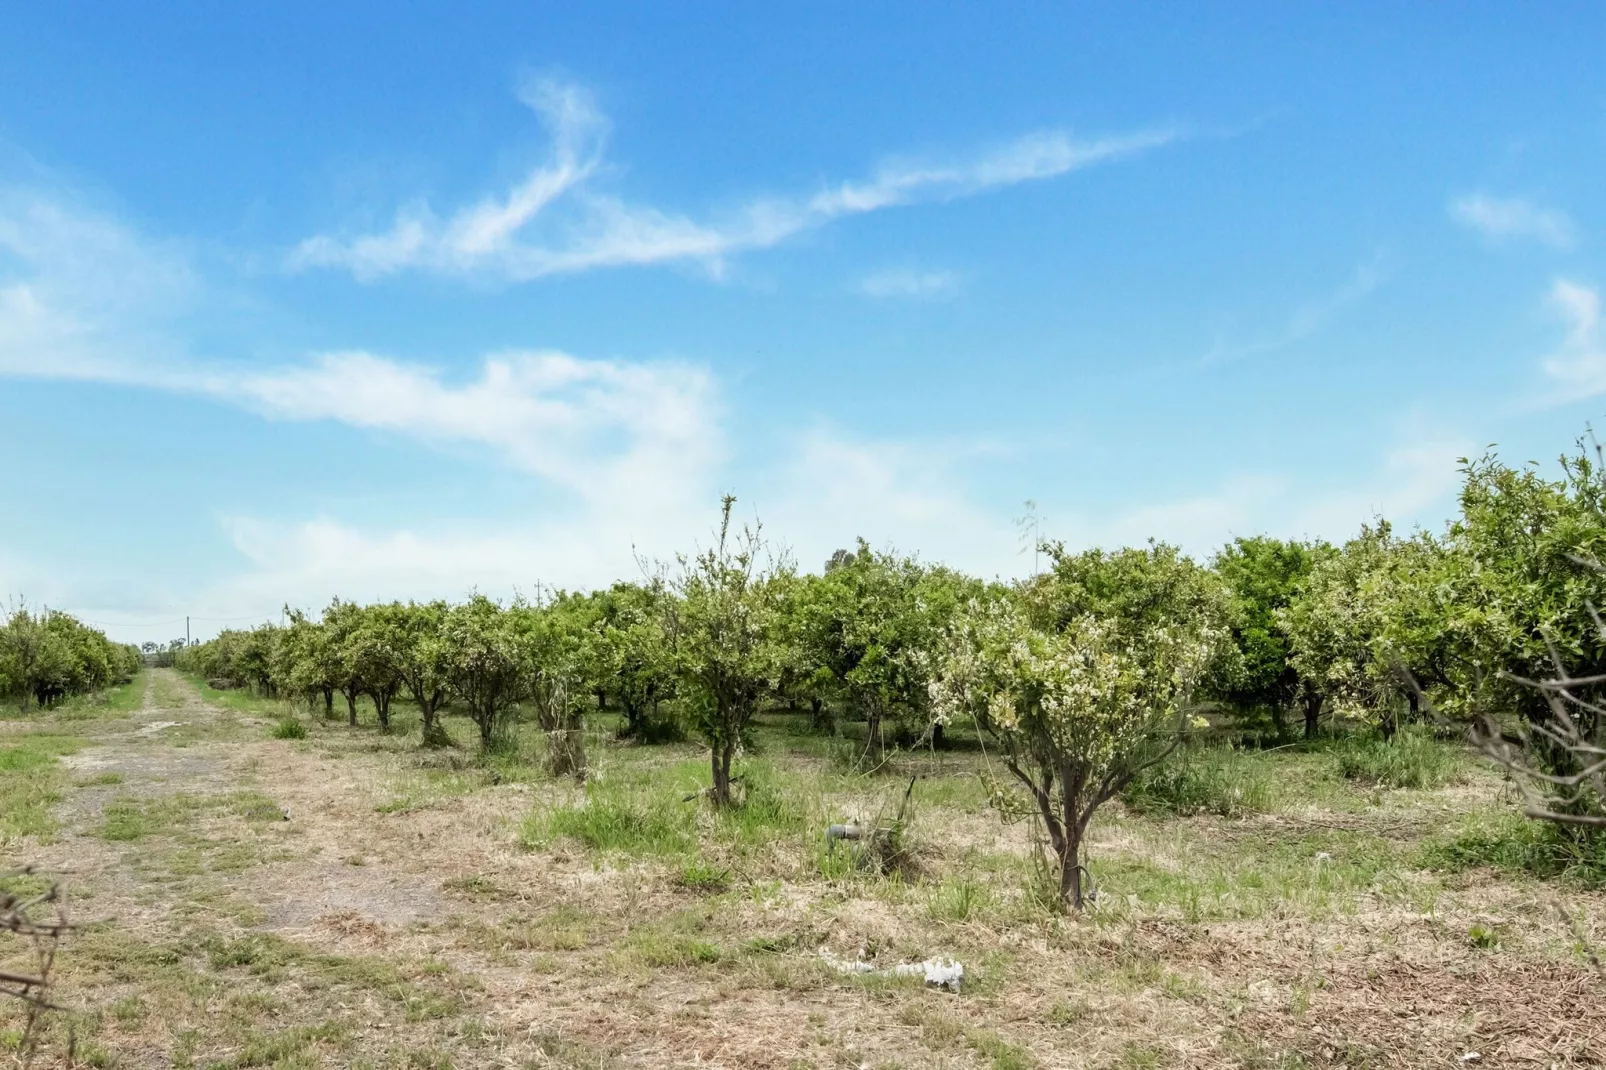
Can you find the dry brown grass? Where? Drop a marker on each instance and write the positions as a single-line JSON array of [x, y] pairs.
[[398, 919]]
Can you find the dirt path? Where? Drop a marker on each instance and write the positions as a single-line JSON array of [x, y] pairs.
[[184, 759]]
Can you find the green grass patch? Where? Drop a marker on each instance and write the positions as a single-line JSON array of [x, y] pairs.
[[1506, 840], [1203, 780], [700, 875], [675, 942], [119, 701], [1322, 873], [611, 820], [127, 818], [242, 700], [32, 781], [1412, 759], [959, 899]]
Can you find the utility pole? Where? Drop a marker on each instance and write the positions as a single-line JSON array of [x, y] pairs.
[[186, 631]]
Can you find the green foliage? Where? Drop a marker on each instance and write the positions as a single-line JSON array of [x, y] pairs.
[[1263, 576], [1412, 759], [484, 664], [558, 646], [1337, 628], [632, 660], [864, 631], [47, 657]]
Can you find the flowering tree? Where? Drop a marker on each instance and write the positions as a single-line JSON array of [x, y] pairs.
[[1085, 676]]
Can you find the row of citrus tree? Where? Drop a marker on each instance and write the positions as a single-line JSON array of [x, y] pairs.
[[48, 656], [1080, 676]]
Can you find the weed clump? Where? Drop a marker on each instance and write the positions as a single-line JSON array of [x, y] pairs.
[[1412, 759], [612, 821], [1202, 780], [289, 728]]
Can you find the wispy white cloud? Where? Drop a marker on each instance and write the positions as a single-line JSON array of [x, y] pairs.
[[1503, 219], [557, 222], [638, 449], [1412, 482], [910, 283], [85, 297], [1578, 367], [1306, 320]]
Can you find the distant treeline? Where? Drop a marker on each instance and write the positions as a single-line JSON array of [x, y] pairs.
[[1079, 677], [1370, 631]]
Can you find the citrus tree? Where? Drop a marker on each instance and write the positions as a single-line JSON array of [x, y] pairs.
[[724, 622], [632, 657], [556, 641], [484, 663], [869, 624], [416, 653], [307, 665], [1263, 576], [1083, 677]]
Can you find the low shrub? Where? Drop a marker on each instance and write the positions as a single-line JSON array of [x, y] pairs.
[[1412, 759], [289, 728]]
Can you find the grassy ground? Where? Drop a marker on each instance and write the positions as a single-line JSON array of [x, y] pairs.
[[347, 898]]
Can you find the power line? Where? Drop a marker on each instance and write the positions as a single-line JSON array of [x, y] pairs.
[[164, 623]]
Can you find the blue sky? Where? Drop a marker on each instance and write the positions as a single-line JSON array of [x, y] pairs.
[[401, 303]]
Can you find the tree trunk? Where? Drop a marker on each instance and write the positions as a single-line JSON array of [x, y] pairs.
[[1413, 713], [1072, 824], [351, 707], [721, 761], [939, 736], [566, 752], [873, 743], [433, 734], [382, 709], [1313, 715], [1389, 721], [1071, 890], [328, 703], [820, 717], [1279, 721], [487, 722]]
